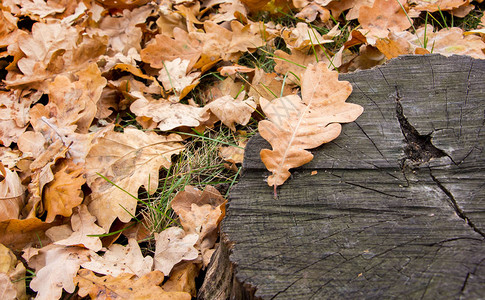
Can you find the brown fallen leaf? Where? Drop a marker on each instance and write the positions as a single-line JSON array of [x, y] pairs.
[[182, 279], [233, 154], [64, 192], [82, 224], [293, 65], [382, 17], [200, 213], [14, 114], [173, 245], [16, 234], [74, 102], [11, 194], [436, 5], [60, 267], [120, 259], [270, 85], [12, 276], [7, 289], [175, 76], [255, 5], [295, 124], [447, 42], [129, 160], [303, 37], [230, 110], [125, 286], [166, 48], [167, 115], [123, 4]]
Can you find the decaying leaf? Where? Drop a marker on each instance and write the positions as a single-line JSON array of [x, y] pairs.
[[174, 76], [230, 110], [83, 227], [233, 154], [64, 192], [200, 213], [129, 160], [125, 286], [167, 115], [12, 276], [383, 16], [166, 48], [182, 279], [14, 115], [295, 124], [173, 246], [121, 259], [60, 266], [11, 194], [16, 234]]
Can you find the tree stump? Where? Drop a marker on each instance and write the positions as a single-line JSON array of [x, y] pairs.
[[393, 208]]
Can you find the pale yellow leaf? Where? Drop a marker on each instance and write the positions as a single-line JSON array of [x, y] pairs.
[[130, 159]]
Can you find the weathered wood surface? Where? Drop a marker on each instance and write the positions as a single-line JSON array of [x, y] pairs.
[[396, 210]]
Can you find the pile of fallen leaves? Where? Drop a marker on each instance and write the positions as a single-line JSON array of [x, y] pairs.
[[70, 174]]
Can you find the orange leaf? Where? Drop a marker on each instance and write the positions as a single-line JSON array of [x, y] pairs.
[[296, 124], [383, 16], [125, 286], [64, 193]]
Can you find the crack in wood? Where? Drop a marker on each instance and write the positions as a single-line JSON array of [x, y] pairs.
[[459, 212], [419, 147]]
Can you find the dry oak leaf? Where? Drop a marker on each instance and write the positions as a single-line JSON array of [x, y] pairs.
[[12, 276], [14, 115], [295, 124], [82, 224], [228, 10], [219, 42], [121, 259], [303, 37], [230, 110], [270, 85], [168, 115], [174, 77], [129, 160], [122, 4], [200, 213], [436, 5], [61, 266], [182, 279], [7, 289], [234, 69], [255, 5], [40, 8], [310, 12], [123, 32], [293, 65], [52, 49], [165, 48], [64, 192], [125, 286], [337, 7], [16, 234], [448, 42], [233, 154], [11, 194], [382, 17], [173, 246], [75, 102]]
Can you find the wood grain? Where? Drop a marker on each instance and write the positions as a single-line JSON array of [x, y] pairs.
[[396, 209]]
